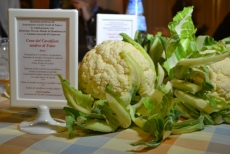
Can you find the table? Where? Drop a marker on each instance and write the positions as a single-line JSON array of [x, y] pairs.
[[213, 139]]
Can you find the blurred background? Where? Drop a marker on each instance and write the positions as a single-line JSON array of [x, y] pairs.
[[207, 15]]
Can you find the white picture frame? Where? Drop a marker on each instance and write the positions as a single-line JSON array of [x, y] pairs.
[[109, 26], [42, 44]]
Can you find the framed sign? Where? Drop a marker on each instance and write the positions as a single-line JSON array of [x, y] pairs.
[[109, 26], [43, 43]]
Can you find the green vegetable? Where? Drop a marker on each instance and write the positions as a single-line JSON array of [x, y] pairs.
[[118, 108], [152, 114], [185, 62], [188, 126], [160, 74], [185, 58], [95, 124], [105, 115], [198, 103], [157, 48], [151, 81], [221, 116], [153, 45], [75, 98], [182, 42], [185, 49], [185, 86]]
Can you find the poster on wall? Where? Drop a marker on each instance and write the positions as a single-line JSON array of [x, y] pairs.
[[43, 43]]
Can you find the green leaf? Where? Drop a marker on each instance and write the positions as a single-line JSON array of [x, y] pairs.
[[151, 144], [185, 86], [136, 76], [199, 103], [201, 75], [226, 41], [75, 98], [182, 24], [117, 107], [205, 43], [71, 112], [188, 109], [207, 119], [154, 126], [139, 121], [126, 38], [158, 127], [188, 126], [156, 49], [95, 124], [183, 48], [107, 113], [70, 119], [217, 118], [148, 40], [71, 125], [203, 60], [144, 39], [160, 75]]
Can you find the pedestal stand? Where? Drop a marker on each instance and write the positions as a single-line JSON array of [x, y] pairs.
[[43, 124]]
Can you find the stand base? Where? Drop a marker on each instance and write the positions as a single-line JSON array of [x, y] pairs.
[[43, 124]]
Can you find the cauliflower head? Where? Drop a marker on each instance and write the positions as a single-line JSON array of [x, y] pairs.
[[105, 64], [220, 77]]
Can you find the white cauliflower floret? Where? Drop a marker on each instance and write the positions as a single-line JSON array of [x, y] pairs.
[[220, 77], [104, 65]]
